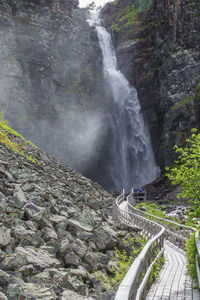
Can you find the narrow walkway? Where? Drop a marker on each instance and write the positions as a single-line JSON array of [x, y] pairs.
[[174, 283]]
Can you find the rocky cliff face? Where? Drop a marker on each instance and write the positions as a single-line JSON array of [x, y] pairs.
[[158, 49], [51, 81]]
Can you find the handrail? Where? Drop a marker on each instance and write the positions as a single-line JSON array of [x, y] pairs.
[[133, 287], [176, 233], [134, 277], [176, 236]]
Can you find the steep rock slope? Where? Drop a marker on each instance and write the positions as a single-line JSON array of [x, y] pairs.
[[55, 228], [51, 80], [158, 49]]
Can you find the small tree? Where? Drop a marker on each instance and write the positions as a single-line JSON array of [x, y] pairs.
[[186, 171]]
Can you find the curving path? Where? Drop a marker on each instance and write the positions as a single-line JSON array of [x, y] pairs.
[[174, 282]]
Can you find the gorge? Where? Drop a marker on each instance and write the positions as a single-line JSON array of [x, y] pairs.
[[53, 86]]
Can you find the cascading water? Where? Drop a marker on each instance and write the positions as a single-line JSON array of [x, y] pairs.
[[133, 163]]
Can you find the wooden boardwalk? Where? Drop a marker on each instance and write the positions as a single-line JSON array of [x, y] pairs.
[[174, 283]]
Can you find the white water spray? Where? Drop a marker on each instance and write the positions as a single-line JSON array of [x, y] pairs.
[[133, 163]]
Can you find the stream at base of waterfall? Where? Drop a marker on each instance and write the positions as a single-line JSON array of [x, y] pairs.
[[133, 164]]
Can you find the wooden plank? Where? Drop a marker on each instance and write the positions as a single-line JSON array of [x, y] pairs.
[[174, 282]]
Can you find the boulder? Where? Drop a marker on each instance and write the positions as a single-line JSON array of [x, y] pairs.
[[31, 210], [30, 291], [72, 259], [75, 225], [79, 248], [27, 270], [26, 237], [65, 248], [5, 236], [39, 258], [48, 234], [105, 238], [19, 198], [71, 295]]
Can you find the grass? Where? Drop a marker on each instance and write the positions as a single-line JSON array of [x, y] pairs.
[[14, 141], [126, 18], [151, 208]]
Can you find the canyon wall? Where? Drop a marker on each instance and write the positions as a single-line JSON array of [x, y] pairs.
[[52, 87], [158, 50]]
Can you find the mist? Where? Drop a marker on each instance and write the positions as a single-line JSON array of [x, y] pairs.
[[52, 88]]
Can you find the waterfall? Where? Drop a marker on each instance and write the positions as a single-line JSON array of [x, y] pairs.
[[133, 163]]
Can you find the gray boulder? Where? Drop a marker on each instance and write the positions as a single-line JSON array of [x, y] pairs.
[[30, 291], [5, 236]]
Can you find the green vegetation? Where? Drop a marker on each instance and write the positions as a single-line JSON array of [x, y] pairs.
[[122, 261], [13, 140], [186, 171], [191, 251], [127, 18], [155, 270], [151, 208]]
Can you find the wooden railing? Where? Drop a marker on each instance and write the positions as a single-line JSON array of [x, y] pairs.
[[175, 232], [133, 285]]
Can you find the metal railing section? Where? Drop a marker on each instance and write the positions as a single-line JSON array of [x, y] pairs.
[[133, 285]]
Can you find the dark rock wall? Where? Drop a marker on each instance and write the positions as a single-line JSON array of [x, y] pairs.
[[52, 83], [158, 50]]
